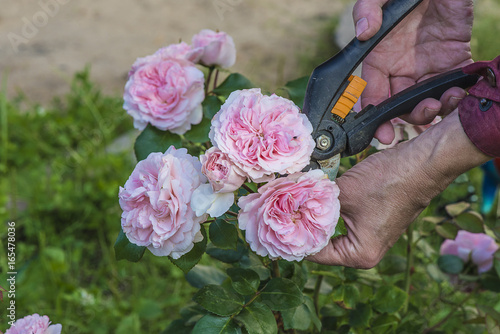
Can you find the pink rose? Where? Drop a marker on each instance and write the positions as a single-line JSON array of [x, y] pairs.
[[262, 135], [400, 129], [478, 247], [291, 217], [156, 203], [34, 324], [166, 93], [222, 174], [218, 48]]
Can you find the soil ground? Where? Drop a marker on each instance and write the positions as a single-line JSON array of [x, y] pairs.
[[44, 42]]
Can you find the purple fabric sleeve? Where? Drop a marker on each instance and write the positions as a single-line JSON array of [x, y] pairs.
[[480, 111]]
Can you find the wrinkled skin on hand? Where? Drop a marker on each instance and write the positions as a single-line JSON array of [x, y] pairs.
[[386, 192], [433, 39]]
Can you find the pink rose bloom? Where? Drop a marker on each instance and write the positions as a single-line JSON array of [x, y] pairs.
[[156, 203], [180, 51], [34, 324], [478, 247], [218, 48], [262, 135], [291, 217], [401, 128], [166, 93], [222, 174]]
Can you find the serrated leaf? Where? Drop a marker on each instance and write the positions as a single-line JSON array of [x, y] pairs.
[[281, 294], [384, 323], [244, 281], [340, 228], [211, 106], [301, 317], [211, 324], [297, 90], [199, 132], [470, 221], [447, 230], [450, 264], [392, 264], [258, 319], [456, 208], [125, 250], [155, 140], [389, 299], [223, 234], [251, 261], [216, 299], [189, 260], [234, 81], [360, 316], [201, 275], [228, 255]]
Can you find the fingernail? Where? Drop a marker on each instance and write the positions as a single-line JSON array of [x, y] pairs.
[[430, 113], [453, 102], [361, 26]]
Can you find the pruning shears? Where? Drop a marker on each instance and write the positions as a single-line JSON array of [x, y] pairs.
[[332, 91]]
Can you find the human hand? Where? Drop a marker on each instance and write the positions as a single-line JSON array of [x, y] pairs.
[[385, 193], [433, 39]]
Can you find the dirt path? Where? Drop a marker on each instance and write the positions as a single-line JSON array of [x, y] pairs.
[[44, 42]]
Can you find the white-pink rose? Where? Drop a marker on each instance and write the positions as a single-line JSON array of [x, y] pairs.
[[34, 324], [166, 93], [218, 48], [262, 135], [291, 217], [222, 174], [156, 203], [400, 129], [477, 247], [180, 51]]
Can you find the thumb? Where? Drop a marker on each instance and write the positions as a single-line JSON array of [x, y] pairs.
[[367, 15]]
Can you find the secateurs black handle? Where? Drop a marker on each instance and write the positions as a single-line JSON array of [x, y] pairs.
[[360, 127], [329, 80]]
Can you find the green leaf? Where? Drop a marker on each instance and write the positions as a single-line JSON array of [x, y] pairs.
[[211, 324], [340, 228], [223, 234], [456, 208], [228, 255], [155, 140], [211, 106], [301, 317], [234, 81], [216, 299], [252, 261], [384, 323], [490, 281], [199, 132], [244, 281], [258, 319], [392, 264], [124, 249], [450, 264], [447, 230], [297, 90], [389, 299], [435, 273], [201, 275], [351, 295], [470, 221], [189, 260], [360, 316], [281, 294], [177, 327]]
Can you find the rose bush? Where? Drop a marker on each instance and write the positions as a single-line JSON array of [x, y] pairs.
[[248, 204]]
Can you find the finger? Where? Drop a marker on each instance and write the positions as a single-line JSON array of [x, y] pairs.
[[385, 133], [424, 112], [450, 100], [367, 16]]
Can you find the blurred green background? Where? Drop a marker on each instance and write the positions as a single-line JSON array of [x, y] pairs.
[[60, 170]]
